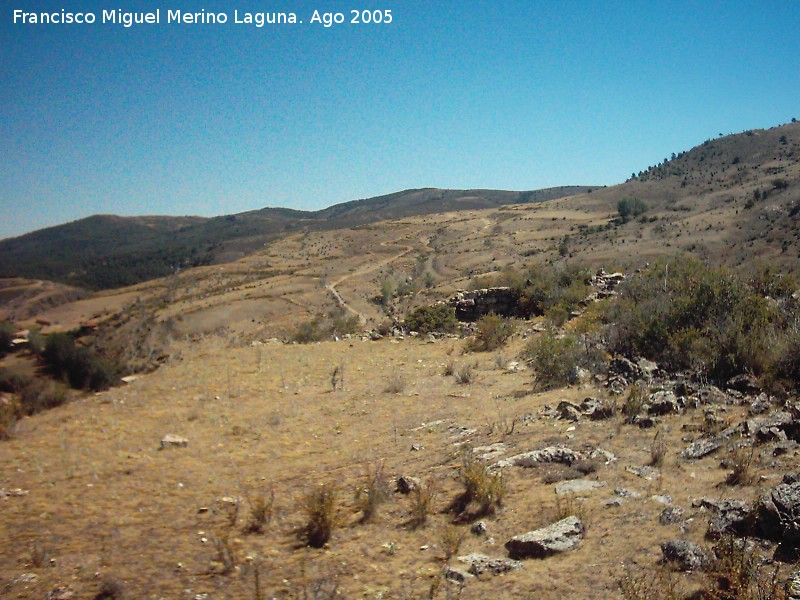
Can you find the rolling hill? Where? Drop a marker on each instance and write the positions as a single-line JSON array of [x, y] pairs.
[[108, 251]]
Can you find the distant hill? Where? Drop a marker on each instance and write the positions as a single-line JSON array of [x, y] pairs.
[[108, 251]]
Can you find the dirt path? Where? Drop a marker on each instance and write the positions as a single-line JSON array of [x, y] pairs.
[[331, 287]]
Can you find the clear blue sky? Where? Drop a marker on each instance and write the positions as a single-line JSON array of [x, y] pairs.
[[217, 119]]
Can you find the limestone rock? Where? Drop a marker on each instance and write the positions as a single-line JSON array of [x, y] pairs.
[[480, 564], [562, 536], [551, 454], [701, 448], [578, 486], [406, 484], [174, 441]]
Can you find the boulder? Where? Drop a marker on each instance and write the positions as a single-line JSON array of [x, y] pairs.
[[562, 536], [671, 515], [596, 410], [406, 484], [777, 515], [685, 556], [728, 517]]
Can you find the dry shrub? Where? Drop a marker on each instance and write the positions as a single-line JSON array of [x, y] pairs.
[[111, 588], [568, 506], [483, 490], [319, 507], [658, 450], [261, 510], [396, 384], [225, 557], [737, 573], [492, 332], [451, 538], [740, 460], [465, 375], [8, 418], [373, 493], [422, 498], [449, 369], [660, 584]]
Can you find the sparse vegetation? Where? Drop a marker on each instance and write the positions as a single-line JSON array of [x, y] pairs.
[[422, 497], [261, 509], [658, 450], [465, 374], [337, 324], [78, 366], [373, 493]]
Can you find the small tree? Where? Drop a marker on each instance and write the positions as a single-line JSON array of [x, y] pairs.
[[629, 208]]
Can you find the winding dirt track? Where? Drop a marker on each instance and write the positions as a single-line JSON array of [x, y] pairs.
[[331, 287]]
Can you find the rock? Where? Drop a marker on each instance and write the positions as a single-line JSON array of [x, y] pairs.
[[663, 403], [645, 421], [568, 410], [174, 441], [662, 498], [671, 515], [490, 452], [701, 448], [551, 454], [746, 384], [777, 515], [765, 429], [626, 493], [562, 536], [760, 405], [60, 593], [480, 564], [647, 368], [596, 409], [620, 365], [645, 472], [792, 586], [712, 395], [406, 484], [604, 455], [728, 517], [577, 486], [782, 448], [685, 556], [479, 528]]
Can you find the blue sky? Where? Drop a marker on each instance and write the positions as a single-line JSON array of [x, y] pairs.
[[218, 119]]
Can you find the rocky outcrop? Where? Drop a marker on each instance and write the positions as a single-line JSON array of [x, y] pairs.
[[562, 536], [551, 454], [472, 305]]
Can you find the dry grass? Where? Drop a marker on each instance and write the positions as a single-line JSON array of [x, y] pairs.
[[658, 450], [374, 492], [321, 515]]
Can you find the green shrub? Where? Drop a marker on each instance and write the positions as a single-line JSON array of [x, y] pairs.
[[552, 292], [684, 315], [554, 359], [7, 331], [492, 332], [425, 319], [628, 208], [79, 366]]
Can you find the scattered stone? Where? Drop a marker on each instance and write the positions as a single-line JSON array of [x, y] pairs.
[[701, 448], [783, 447], [612, 502], [417, 447], [13, 493], [671, 515], [645, 472], [479, 528], [60, 593], [684, 555], [578, 486], [174, 441], [604, 455], [480, 564], [760, 405], [562, 536], [769, 428], [626, 493], [620, 365], [645, 421], [647, 368], [406, 484]]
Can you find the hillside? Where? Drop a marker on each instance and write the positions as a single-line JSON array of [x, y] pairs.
[[682, 415], [106, 251]]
